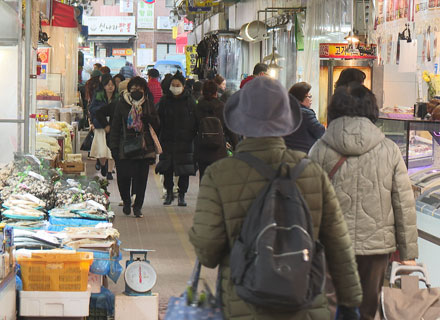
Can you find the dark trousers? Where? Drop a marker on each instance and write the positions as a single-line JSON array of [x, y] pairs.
[[372, 272], [132, 172], [202, 168], [168, 182]]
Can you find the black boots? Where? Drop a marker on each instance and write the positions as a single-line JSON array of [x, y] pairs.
[[169, 198], [181, 200], [127, 208]]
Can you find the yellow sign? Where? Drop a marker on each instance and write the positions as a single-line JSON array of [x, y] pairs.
[[340, 50], [191, 59], [129, 52], [175, 32]]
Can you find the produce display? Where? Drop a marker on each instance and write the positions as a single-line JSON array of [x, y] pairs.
[[46, 147], [32, 191], [46, 92]]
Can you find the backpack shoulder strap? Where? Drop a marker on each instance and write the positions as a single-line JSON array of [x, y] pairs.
[[265, 170], [296, 171]]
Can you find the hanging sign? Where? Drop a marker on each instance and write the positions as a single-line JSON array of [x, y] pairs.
[[149, 1], [145, 15], [126, 6], [122, 52], [191, 58], [197, 7], [111, 25], [43, 62], [340, 51]]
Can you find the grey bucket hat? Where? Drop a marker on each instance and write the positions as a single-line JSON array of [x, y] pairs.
[[263, 108]]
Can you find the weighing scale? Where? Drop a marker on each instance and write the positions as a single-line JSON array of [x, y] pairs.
[[140, 277]]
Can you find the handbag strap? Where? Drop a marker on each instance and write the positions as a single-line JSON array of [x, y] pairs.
[[336, 167]]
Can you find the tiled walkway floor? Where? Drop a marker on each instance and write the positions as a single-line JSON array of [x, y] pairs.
[[163, 229]]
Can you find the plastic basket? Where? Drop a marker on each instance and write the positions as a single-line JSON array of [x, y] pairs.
[[67, 271]]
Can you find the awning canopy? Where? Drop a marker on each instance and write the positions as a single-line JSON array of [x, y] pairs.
[[110, 39]]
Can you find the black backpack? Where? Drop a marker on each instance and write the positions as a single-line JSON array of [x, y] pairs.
[[211, 134], [275, 262]]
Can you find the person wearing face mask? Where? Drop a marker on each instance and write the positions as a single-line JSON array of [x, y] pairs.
[[103, 99], [177, 133], [133, 116]]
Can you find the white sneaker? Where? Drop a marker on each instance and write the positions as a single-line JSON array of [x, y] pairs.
[[133, 198], [121, 203]]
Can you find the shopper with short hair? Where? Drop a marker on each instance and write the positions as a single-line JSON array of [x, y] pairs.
[[311, 129], [260, 69], [349, 75], [154, 84], [372, 184]]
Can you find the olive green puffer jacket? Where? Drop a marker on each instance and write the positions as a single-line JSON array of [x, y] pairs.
[[226, 192], [372, 186]]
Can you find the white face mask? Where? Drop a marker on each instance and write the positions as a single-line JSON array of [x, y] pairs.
[[176, 90]]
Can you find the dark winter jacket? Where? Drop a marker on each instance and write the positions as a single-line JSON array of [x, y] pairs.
[[226, 192], [99, 102], [213, 108], [307, 134], [119, 123], [177, 132]]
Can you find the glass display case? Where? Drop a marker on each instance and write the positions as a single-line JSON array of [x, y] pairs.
[[418, 140]]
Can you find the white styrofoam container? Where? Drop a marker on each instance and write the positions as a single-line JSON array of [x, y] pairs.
[[54, 304], [137, 307], [95, 282]]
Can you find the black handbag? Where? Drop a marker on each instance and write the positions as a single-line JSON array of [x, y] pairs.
[[133, 145], [87, 143]]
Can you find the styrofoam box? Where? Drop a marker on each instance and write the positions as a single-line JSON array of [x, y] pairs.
[[137, 307], [95, 282], [54, 304]]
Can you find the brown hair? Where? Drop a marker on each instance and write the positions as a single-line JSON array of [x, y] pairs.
[[105, 70], [432, 104], [209, 89], [219, 79], [300, 90]]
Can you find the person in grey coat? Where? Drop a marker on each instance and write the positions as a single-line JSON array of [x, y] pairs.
[[372, 185]]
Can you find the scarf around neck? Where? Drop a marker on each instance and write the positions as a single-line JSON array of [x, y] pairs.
[[134, 120]]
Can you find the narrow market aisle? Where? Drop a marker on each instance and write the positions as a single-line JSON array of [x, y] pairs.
[[164, 229]]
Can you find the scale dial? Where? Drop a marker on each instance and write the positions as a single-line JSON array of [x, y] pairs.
[[140, 276]]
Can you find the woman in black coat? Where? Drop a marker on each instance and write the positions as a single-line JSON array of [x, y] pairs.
[[211, 106], [177, 132], [133, 115], [311, 129]]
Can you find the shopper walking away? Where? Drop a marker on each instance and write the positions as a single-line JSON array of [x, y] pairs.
[[197, 90], [177, 133], [99, 148], [154, 84], [133, 116], [118, 79], [372, 186], [213, 136], [349, 75], [127, 70], [230, 185], [310, 129], [260, 69]]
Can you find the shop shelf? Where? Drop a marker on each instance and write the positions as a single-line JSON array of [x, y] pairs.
[[55, 271]]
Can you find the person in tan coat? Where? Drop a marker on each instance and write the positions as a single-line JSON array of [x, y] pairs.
[[372, 186], [229, 187]]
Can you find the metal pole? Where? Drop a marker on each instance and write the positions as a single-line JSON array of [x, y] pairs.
[[27, 74]]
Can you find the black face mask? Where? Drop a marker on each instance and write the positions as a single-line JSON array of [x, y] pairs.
[[136, 95]]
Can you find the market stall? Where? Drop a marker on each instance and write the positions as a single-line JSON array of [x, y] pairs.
[[59, 220]]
